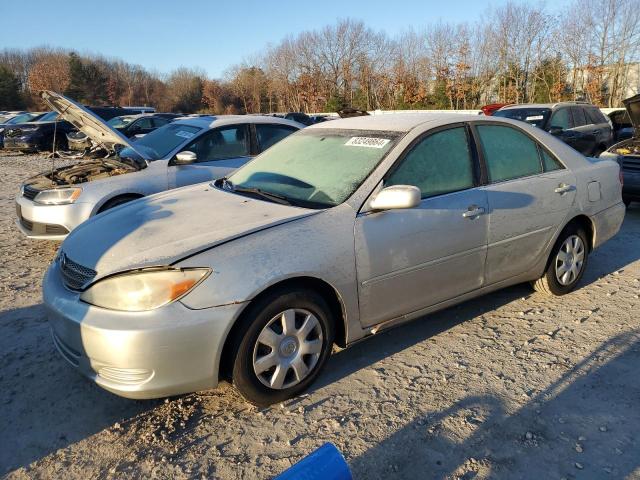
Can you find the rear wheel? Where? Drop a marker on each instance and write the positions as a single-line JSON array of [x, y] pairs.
[[567, 263], [282, 346]]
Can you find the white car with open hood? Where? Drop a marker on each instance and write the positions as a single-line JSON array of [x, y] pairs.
[[187, 151]]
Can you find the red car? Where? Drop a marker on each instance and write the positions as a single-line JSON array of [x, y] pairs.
[[493, 107]]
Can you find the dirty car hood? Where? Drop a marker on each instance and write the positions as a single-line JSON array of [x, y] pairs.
[[85, 121], [167, 227], [632, 105]]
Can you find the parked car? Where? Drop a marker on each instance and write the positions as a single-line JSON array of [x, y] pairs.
[[130, 126], [492, 108], [299, 117], [5, 115], [622, 125], [17, 119], [580, 125], [627, 153], [184, 152], [40, 135], [335, 234]]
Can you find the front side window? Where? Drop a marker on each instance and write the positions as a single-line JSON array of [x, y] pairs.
[[579, 118], [269, 135], [221, 143], [441, 163], [317, 168], [508, 153], [561, 119]]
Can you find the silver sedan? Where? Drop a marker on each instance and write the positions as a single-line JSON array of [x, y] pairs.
[[334, 234]]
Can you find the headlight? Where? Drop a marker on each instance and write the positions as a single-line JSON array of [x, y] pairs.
[[59, 196], [143, 290]]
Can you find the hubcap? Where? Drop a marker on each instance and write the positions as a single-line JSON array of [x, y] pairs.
[[570, 260], [288, 348]]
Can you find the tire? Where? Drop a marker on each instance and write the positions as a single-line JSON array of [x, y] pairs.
[[572, 241], [115, 202], [265, 375]]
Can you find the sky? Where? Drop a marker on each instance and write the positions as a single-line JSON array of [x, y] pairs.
[[212, 35]]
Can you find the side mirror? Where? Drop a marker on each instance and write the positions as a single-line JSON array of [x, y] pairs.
[[185, 158], [396, 197]]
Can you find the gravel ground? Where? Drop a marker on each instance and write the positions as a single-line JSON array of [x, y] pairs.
[[511, 385]]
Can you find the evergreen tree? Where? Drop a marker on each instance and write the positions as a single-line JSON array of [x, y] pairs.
[[10, 96]]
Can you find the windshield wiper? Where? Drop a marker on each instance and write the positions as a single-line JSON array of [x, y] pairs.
[[273, 197]]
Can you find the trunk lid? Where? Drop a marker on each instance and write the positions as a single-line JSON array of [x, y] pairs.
[[632, 105]]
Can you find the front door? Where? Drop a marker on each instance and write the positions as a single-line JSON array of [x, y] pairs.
[[413, 258]]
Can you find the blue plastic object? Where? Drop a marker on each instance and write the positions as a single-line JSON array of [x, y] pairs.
[[325, 463]]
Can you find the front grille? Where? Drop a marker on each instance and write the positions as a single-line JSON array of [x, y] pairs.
[[631, 164], [74, 275], [29, 192], [14, 132]]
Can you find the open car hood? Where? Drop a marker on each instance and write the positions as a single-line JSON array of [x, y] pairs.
[[632, 105], [86, 121]]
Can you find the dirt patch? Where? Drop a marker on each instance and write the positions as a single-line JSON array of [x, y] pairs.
[[511, 385]]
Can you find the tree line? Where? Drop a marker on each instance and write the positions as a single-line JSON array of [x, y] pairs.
[[514, 53]]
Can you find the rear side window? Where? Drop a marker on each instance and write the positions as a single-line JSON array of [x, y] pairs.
[[269, 135], [579, 118], [561, 119], [441, 163], [508, 153], [159, 121], [595, 115], [550, 163]]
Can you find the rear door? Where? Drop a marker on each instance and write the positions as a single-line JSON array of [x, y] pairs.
[[586, 131], [413, 258], [219, 152], [529, 192]]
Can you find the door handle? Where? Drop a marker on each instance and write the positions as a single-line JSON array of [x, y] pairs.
[[564, 188], [473, 211]]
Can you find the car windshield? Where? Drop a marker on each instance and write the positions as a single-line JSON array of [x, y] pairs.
[[160, 142], [24, 117], [48, 117], [120, 122], [315, 168], [534, 116]]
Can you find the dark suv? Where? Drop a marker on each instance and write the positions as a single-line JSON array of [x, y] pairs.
[[39, 135], [579, 124]]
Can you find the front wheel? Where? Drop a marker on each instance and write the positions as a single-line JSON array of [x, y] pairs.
[[567, 263], [283, 345]]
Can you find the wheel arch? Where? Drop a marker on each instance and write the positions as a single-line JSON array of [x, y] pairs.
[[326, 290], [107, 200]]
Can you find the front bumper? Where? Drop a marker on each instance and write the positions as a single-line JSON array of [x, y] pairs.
[[25, 142], [167, 351], [50, 222]]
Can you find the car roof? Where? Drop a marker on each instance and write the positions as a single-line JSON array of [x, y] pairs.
[[211, 121], [547, 105], [395, 122]]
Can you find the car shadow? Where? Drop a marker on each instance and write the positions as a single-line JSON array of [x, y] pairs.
[[31, 367], [581, 426]]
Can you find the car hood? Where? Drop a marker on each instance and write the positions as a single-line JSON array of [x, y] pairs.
[[633, 108], [162, 229], [85, 121]]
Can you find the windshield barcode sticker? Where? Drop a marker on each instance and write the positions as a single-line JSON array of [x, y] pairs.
[[367, 142], [184, 134], [534, 117]]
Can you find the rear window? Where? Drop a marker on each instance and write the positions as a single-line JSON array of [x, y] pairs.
[[534, 116]]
